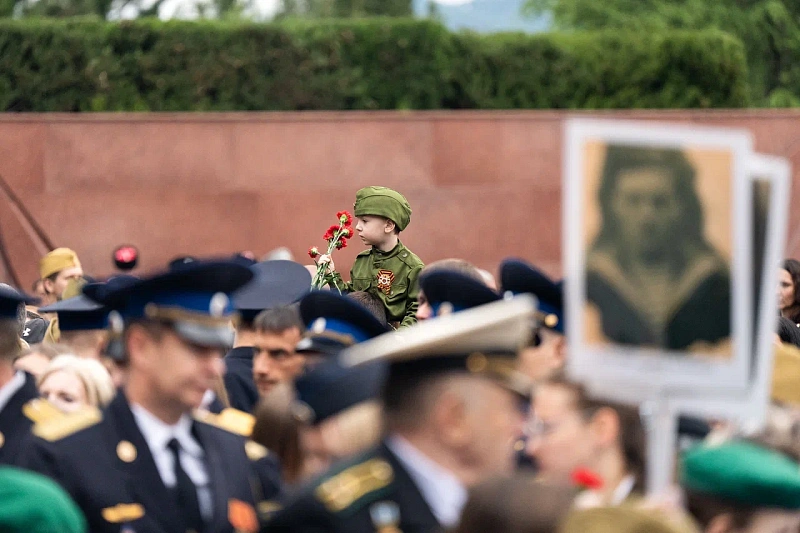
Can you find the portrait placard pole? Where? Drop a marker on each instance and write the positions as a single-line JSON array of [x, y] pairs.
[[662, 431]]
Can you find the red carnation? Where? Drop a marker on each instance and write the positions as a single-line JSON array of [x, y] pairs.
[[347, 233], [331, 233], [344, 217], [313, 252], [341, 243], [583, 477]]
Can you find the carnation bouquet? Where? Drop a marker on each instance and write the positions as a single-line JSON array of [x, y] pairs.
[[336, 236]]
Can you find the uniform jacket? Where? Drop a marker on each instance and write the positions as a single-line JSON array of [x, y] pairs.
[[391, 276], [242, 391], [14, 425], [370, 494], [104, 463]]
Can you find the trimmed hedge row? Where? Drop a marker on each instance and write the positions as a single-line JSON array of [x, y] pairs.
[[365, 64]]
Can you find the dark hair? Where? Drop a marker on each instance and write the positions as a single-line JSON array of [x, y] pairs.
[[792, 266], [278, 430], [278, 320], [623, 158], [632, 436], [372, 303], [705, 507], [519, 504]]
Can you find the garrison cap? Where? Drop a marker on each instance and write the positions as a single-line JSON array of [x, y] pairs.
[[480, 341], [334, 322], [56, 261], [31, 503], [455, 289], [330, 388], [385, 202], [744, 473], [193, 299], [275, 284], [518, 277]]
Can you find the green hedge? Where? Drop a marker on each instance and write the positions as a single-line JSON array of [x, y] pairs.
[[366, 64]]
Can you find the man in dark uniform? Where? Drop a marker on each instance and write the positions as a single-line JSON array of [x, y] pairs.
[[277, 283], [16, 387], [452, 410], [144, 464]]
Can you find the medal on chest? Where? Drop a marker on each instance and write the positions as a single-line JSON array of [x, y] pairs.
[[385, 279]]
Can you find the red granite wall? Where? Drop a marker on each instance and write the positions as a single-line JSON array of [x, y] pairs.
[[483, 185]]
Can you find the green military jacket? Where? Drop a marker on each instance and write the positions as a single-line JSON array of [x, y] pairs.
[[391, 276]]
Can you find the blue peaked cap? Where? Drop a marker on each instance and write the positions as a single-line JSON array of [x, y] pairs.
[[519, 277], [457, 289]]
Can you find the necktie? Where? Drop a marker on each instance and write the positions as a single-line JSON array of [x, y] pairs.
[[185, 492]]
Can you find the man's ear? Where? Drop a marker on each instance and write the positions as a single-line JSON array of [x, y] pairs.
[[450, 416], [560, 352], [49, 286], [138, 344], [389, 226], [606, 426]]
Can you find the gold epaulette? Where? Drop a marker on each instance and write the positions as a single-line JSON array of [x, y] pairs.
[[40, 410], [64, 426], [231, 420], [342, 490]]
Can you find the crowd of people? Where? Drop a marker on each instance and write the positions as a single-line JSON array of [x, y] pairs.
[[225, 395]]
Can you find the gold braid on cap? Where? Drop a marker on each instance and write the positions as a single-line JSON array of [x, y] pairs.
[[176, 314], [501, 368]]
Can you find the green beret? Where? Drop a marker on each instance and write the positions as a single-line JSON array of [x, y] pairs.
[[32, 503], [384, 202], [745, 473]]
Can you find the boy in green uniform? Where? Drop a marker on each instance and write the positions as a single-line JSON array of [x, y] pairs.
[[388, 269]]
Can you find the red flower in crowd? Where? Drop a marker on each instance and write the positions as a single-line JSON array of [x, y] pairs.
[[331, 233], [341, 243], [587, 479], [313, 252], [345, 218], [347, 232]]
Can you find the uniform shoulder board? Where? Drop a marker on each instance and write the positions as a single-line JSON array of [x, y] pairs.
[[68, 424], [255, 451], [354, 483], [40, 410], [231, 420]]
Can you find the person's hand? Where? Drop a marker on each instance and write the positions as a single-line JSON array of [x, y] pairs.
[[327, 259]]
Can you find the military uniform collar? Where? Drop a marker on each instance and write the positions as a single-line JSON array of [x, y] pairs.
[[8, 390], [391, 253], [157, 433], [441, 490]]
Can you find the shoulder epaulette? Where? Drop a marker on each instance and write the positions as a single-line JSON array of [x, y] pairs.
[[40, 410], [64, 426], [352, 484], [229, 419]]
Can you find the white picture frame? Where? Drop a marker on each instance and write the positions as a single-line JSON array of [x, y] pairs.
[[647, 372]]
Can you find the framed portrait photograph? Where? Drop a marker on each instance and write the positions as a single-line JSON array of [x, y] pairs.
[[658, 251]]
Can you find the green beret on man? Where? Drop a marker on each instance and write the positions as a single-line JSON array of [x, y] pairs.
[[744, 473], [32, 503], [384, 202]]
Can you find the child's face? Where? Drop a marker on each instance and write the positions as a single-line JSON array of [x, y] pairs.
[[373, 230]]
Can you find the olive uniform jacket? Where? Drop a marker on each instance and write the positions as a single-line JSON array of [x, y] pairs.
[[369, 494], [391, 276], [102, 460]]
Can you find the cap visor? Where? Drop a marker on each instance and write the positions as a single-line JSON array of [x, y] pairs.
[[319, 345], [203, 335]]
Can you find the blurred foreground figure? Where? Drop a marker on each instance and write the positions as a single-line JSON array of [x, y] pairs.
[[16, 386], [30, 503], [452, 401], [144, 464]]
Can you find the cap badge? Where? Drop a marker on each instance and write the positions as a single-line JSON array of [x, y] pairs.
[[219, 302], [385, 279]]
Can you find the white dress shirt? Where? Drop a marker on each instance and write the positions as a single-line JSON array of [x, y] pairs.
[[158, 434], [10, 389], [440, 489]]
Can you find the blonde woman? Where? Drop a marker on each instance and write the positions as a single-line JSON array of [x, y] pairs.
[[71, 383]]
